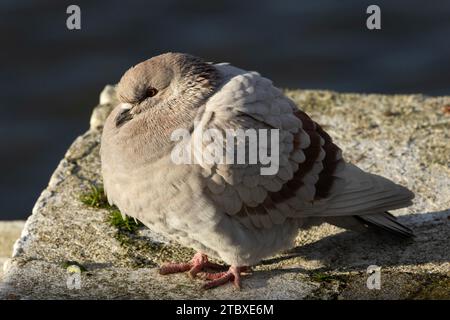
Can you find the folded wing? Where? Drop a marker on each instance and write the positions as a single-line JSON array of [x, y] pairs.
[[312, 181]]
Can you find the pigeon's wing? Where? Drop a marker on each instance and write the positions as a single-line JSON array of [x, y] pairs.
[[312, 180], [248, 101]]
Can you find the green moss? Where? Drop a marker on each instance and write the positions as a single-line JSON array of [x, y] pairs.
[[96, 198], [433, 287], [123, 224], [125, 227], [325, 277], [139, 249], [331, 285]]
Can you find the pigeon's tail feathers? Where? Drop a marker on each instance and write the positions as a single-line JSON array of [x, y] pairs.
[[366, 194], [386, 222], [347, 222], [364, 201]]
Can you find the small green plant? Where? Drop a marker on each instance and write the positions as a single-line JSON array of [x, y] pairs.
[[96, 198], [123, 224]]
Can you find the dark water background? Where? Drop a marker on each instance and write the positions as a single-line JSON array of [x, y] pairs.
[[51, 77]]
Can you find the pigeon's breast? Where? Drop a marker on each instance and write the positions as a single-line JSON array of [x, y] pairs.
[[172, 199]]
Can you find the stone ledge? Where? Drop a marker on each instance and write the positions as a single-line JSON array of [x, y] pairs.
[[402, 137], [9, 233]]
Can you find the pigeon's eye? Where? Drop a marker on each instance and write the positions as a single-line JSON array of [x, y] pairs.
[[150, 92]]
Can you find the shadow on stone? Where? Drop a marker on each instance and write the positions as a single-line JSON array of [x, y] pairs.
[[349, 250]]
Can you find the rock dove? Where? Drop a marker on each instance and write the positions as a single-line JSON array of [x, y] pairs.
[[230, 210]]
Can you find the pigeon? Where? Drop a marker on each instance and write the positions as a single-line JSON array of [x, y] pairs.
[[232, 211]]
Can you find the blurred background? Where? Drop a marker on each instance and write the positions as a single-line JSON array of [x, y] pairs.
[[51, 77]]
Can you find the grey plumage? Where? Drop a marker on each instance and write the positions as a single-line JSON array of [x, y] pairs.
[[231, 212]]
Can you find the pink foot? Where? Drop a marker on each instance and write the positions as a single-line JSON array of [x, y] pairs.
[[217, 279], [198, 263]]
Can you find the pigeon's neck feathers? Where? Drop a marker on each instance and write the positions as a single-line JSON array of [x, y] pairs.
[[197, 79]]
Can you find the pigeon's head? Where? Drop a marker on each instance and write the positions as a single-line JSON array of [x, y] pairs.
[[169, 81]]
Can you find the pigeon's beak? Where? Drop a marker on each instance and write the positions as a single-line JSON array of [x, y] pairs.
[[124, 114]]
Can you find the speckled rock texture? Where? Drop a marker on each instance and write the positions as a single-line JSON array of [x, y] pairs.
[[403, 137], [9, 232]]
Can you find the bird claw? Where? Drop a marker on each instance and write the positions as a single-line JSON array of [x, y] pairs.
[[200, 262], [217, 279], [174, 268]]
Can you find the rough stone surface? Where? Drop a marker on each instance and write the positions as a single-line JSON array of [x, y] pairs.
[[404, 138], [9, 232]]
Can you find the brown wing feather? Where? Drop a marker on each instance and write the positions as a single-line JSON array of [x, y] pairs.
[[330, 162], [312, 152]]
